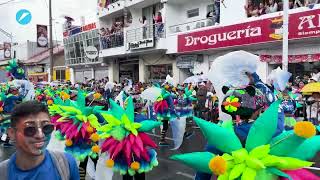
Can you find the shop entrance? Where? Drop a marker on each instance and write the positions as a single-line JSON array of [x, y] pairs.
[[129, 69]]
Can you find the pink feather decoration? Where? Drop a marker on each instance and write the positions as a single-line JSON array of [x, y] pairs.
[[127, 152], [131, 138], [107, 143], [112, 148], [147, 141], [136, 151], [300, 174], [145, 155], [139, 143], [118, 149]]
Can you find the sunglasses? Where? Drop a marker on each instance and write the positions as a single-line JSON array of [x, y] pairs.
[[30, 131]]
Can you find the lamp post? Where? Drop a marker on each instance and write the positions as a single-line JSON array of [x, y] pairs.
[[285, 33], [50, 41]]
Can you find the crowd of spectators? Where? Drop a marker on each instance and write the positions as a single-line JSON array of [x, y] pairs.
[[112, 37], [258, 8]]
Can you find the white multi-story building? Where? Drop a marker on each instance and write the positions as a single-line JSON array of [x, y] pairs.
[[135, 44]]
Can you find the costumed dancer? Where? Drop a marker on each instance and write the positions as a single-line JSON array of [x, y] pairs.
[[243, 102], [131, 151], [212, 106], [279, 80], [164, 109], [262, 156], [288, 106], [184, 109], [76, 123]]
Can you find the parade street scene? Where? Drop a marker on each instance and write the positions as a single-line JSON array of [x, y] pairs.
[[159, 90]]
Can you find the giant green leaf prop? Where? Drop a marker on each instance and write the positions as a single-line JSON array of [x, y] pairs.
[[120, 122], [198, 160], [223, 139], [307, 149], [258, 160], [264, 128]]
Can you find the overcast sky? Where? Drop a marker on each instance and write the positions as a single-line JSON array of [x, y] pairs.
[[40, 13]]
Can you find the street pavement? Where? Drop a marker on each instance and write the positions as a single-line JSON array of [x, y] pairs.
[[167, 169]]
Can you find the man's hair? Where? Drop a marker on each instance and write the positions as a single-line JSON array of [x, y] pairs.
[[25, 109]]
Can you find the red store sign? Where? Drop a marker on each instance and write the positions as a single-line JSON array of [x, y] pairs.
[[301, 25], [277, 59]]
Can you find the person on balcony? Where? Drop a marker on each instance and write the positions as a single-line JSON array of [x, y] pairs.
[[158, 24], [262, 9], [103, 39], [249, 8], [217, 10], [272, 7], [107, 37], [144, 26]]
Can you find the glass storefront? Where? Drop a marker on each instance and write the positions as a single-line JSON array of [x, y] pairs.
[[299, 70], [74, 47], [158, 73]]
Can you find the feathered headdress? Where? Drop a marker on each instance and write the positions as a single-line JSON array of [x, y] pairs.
[[262, 157], [14, 70], [77, 123], [129, 147]]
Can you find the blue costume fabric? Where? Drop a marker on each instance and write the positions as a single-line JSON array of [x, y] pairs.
[[45, 170], [139, 117], [183, 106], [10, 102], [268, 92]]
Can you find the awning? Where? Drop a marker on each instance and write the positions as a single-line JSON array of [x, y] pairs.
[[37, 74], [277, 59], [43, 55]]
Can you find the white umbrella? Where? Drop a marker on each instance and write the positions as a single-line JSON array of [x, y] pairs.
[[279, 78], [192, 79], [230, 69], [170, 80], [151, 94]]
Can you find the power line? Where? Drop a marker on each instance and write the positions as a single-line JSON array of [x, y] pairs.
[[6, 2]]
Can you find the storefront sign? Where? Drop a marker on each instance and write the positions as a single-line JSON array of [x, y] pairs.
[[77, 30], [277, 59], [145, 43], [91, 52], [186, 61], [7, 50], [301, 25], [42, 36]]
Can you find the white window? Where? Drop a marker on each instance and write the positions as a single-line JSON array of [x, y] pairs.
[[193, 13]]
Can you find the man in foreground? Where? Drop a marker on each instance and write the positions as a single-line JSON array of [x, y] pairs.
[[31, 132]]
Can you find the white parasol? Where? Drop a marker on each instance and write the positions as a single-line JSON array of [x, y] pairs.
[[151, 94], [279, 78]]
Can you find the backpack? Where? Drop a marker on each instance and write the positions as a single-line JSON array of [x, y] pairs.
[[60, 162]]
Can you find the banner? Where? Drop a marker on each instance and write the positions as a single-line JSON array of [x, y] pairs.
[[301, 58], [301, 25], [42, 36], [7, 50]]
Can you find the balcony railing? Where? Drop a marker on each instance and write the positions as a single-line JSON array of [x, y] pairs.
[[191, 25], [112, 41], [152, 31]]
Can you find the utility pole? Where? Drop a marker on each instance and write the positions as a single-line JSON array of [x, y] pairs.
[[285, 44], [50, 42]]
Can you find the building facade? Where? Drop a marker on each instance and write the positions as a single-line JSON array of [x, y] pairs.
[[137, 44], [76, 42]]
